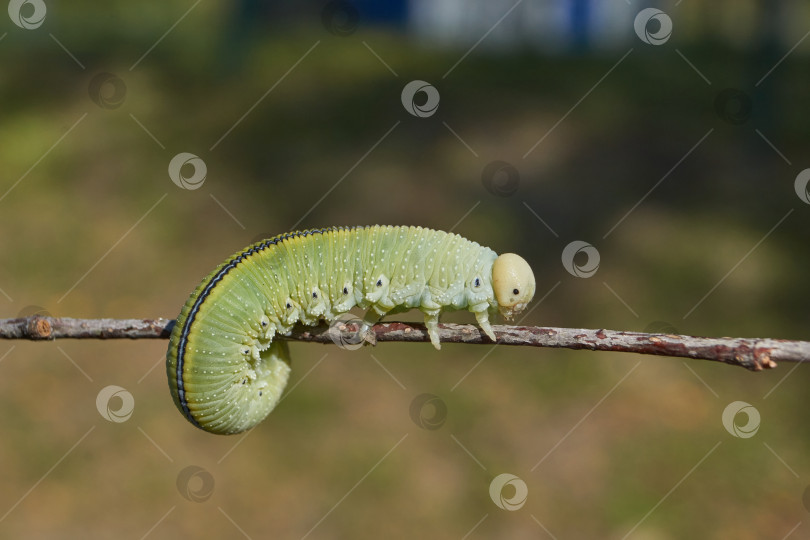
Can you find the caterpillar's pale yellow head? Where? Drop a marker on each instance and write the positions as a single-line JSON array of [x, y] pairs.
[[513, 284]]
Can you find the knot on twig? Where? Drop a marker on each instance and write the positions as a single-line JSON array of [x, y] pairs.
[[762, 357], [751, 356], [39, 328]]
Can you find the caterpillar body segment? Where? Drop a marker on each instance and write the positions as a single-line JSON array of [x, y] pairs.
[[227, 372]]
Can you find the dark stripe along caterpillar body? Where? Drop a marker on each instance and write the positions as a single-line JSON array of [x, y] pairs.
[[226, 372]]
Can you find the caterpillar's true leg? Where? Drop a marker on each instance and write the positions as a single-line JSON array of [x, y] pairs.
[[376, 312], [483, 321], [371, 318], [432, 325]]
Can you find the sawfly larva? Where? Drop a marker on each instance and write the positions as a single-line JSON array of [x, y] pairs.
[[226, 371]]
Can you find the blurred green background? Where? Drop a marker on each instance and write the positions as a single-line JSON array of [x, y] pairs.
[[308, 99]]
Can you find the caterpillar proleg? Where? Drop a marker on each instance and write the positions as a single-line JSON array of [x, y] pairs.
[[227, 372]]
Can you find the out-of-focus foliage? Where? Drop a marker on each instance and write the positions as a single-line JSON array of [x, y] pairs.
[[91, 225]]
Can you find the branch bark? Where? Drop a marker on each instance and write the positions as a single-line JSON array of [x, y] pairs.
[[37, 328], [751, 353]]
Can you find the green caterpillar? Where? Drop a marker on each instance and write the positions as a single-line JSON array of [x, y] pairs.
[[226, 372]]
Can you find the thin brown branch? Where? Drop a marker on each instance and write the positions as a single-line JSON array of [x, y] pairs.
[[751, 353], [38, 328]]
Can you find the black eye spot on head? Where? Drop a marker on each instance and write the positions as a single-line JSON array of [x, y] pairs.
[[314, 295], [345, 290], [289, 306], [515, 291], [379, 283], [477, 282], [264, 323]]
